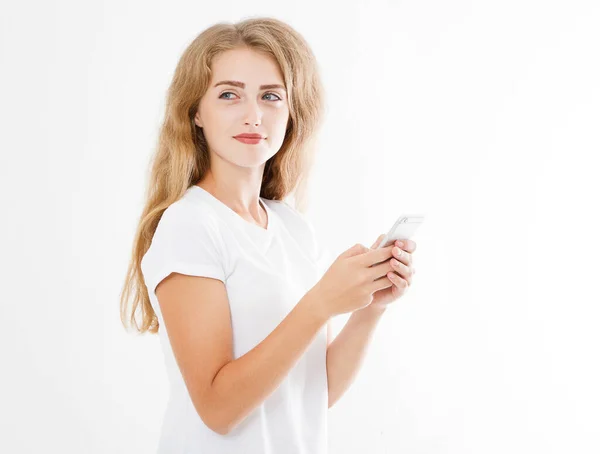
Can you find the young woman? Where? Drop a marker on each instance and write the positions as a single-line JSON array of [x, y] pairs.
[[229, 274]]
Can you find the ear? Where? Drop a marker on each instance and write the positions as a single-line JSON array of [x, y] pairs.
[[197, 120]]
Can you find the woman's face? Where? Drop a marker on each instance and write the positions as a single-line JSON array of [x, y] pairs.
[[229, 109]]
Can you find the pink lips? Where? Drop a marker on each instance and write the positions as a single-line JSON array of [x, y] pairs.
[[249, 138], [248, 135]]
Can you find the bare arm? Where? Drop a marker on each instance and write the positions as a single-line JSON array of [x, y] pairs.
[[243, 384], [346, 353]]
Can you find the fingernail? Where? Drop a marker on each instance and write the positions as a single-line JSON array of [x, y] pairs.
[[399, 243]]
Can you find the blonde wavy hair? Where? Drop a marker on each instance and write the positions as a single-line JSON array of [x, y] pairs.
[[181, 157]]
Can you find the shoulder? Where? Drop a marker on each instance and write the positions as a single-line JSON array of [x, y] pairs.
[[187, 229], [186, 217], [186, 240]]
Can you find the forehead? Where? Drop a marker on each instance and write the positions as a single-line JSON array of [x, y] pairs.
[[246, 65]]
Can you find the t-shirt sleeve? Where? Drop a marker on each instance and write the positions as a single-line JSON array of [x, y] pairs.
[[183, 244]]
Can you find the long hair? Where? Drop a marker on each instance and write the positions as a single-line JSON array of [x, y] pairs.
[[181, 156]]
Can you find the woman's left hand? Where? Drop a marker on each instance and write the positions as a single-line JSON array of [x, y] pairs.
[[401, 276]]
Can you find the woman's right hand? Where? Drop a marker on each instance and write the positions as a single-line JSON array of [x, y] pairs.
[[349, 283]]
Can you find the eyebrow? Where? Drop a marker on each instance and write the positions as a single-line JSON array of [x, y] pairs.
[[236, 83]]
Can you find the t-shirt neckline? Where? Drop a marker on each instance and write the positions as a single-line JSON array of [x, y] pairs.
[[232, 214]]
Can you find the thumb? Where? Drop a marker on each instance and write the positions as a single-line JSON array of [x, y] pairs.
[[379, 239]]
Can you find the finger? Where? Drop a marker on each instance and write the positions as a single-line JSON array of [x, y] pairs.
[[388, 266], [407, 245], [374, 256], [399, 282], [379, 284], [357, 249], [402, 256], [405, 272]]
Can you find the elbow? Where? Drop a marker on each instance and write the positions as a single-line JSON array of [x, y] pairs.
[[212, 417], [219, 430], [214, 425], [221, 427]]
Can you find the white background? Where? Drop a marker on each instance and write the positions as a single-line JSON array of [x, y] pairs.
[[483, 115]]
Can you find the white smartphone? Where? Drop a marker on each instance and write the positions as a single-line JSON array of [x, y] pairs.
[[403, 229]]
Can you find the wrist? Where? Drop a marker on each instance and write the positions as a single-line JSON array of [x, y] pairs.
[[371, 311], [314, 305]]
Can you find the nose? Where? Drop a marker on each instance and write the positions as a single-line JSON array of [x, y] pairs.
[[253, 114]]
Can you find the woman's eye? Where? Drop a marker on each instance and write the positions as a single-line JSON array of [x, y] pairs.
[[278, 98], [231, 93]]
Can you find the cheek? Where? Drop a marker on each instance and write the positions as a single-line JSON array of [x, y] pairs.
[[222, 122], [281, 119], [277, 129]]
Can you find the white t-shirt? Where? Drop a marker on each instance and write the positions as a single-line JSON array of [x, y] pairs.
[[266, 272]]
